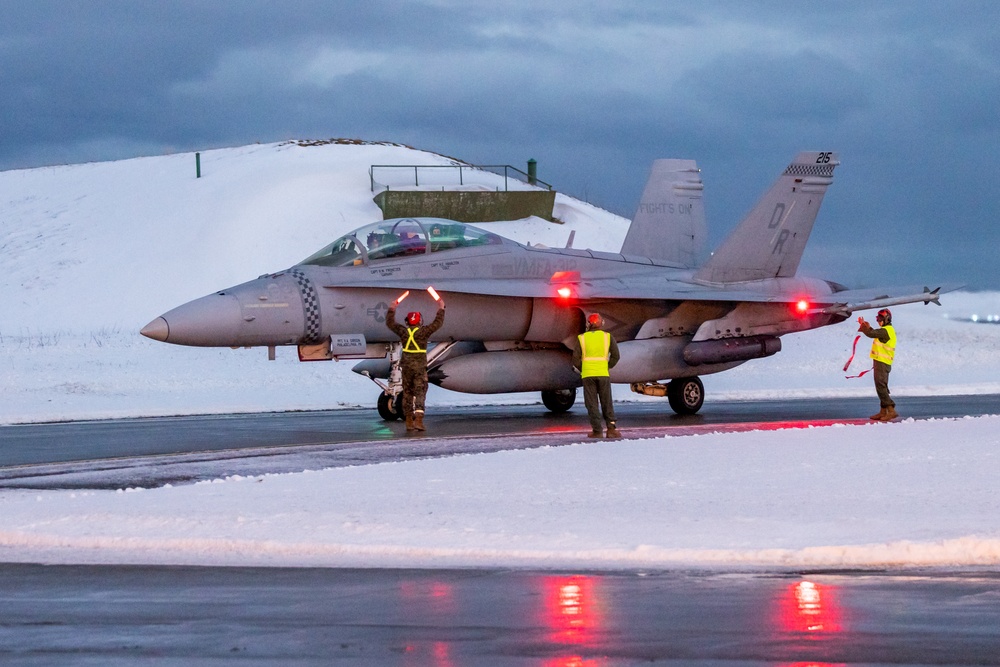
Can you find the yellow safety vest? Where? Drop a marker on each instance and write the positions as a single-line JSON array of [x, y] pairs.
[[411, 342], [884, 352], [595, 350]]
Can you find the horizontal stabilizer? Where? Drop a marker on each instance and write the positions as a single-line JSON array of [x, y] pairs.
[[768, 243]]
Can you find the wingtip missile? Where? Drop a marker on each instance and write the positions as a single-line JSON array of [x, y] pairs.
[[883, 301]]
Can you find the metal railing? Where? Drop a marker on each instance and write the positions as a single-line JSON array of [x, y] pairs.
[[508, 172]]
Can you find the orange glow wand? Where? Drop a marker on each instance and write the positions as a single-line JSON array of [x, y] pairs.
[[434, 293], [399, 299]]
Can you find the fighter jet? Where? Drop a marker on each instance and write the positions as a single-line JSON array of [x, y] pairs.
[[514, 310]]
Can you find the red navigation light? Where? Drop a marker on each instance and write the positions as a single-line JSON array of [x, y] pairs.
[[565, 283], [802, 307]]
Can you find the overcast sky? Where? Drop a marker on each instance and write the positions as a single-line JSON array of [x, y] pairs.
[[907, 92]]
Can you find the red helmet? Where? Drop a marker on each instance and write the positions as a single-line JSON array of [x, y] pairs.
[[884, 316], [413, 319], [595, 320]]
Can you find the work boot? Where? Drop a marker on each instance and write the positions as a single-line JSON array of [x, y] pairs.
[[409, 422], [877, 417], [613, 432], [418, 420], [596, 433], [889, 414]]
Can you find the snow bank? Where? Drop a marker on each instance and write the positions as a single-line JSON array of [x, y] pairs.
[[879, 495]]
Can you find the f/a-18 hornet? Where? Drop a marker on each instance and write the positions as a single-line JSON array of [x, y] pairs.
[[515, 310]]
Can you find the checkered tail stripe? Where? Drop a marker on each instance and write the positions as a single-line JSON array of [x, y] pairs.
[[823, 170], [310, 304]]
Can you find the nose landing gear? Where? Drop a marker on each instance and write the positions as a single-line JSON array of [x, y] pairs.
[[390, 408], [390, 401]]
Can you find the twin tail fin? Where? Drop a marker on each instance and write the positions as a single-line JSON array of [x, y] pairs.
[[768, 243], [669, 224]]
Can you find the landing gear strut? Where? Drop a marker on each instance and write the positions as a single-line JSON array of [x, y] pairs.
[[390, 401]]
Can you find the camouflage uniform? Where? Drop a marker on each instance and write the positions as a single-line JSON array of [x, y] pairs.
[[414, 364]]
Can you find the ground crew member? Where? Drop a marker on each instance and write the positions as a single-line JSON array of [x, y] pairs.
[[883, 350], [594, 355], [414, 337]]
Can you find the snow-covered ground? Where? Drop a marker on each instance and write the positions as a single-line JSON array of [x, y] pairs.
[[90, 253]]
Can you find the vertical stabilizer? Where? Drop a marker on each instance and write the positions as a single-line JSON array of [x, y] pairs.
[[670, 221], [768, 243]]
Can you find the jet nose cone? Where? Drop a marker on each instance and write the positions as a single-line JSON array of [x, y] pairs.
[[157, 330], [211, 321]]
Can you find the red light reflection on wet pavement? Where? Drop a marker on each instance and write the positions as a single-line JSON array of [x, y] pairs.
[[434, 654], [809, 613], [572, 661], [810, 608], [735, 427], [572, 617], [561, 428], [428, 599], [577, 619]]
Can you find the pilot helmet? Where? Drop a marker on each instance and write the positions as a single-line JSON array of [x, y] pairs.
[[413, 319], [595, 321], [884, 316]]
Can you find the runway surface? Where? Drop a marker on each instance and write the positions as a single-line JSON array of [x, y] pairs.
[[85, 615], [111, 615], [153, 452]]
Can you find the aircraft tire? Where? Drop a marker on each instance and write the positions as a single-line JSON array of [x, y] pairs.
[[388, 409], [559, 400], [686, 395]]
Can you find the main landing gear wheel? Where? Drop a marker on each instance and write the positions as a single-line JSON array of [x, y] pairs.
[[559, 400], [390, 409], [686, 395]]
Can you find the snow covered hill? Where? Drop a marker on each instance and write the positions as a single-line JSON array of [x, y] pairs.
[[113, 244]]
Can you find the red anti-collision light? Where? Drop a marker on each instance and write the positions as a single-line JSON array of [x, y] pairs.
[[565, 292]]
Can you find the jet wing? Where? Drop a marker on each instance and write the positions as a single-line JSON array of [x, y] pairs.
[[625, 287], [660, 288], [841, 303], [838, 303]]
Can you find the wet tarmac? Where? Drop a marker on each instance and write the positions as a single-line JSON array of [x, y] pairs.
[[86, 615], [73, 441]]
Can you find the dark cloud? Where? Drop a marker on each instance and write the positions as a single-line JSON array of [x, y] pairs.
[[806, 88], [907, 93]]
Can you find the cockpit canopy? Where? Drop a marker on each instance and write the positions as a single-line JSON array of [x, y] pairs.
[[400, 237]]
